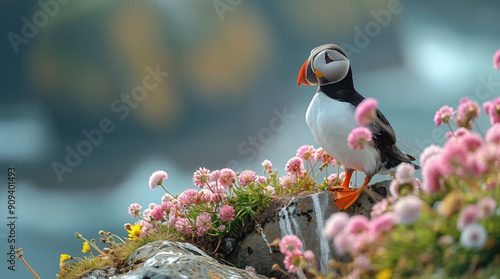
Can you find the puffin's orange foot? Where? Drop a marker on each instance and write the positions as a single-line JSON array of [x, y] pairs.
[[337, 188], [345, 197]]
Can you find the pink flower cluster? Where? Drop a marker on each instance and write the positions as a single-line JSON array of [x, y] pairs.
[[471, 213], [268, 166], [322, 156], [358, 235], [359, 137], [493, 110], [295, 167], [468, 110], [405, 183], [466, 155], [443, 115], [306, 152], [226, 213], [366, 111], [290, 246], [361, 237]]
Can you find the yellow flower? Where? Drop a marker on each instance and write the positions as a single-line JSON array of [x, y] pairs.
[[65, 257], [134, 232], [384, 274], [86, 247]]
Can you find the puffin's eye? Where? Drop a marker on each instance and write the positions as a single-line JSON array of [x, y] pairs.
[[327, 58]]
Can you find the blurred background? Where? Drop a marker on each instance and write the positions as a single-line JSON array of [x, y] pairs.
[[178, 85]]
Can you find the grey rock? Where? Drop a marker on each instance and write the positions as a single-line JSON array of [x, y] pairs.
[[305, 217], [165, 259], [101, 274]]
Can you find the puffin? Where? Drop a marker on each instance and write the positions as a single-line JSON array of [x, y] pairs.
[[330, 117]]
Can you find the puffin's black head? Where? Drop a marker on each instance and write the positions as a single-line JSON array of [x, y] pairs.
[[327, 64]]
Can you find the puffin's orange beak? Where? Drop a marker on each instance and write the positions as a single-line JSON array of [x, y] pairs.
[[302, 80]]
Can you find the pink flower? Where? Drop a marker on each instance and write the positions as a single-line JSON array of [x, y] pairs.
[[145, 213], [467, 110], [443, 115], [407, 210], [344, 242], [357, 224], [159, 212], [246, 177], [454, 157], [460, 132], [382, 223], [400, 188], [332, 180], [269, 190], [186, 198], [203, 223], [433, 176], [201, 177], [366, 111], [472, 141], [309, 255], [157, 179], [473, 237], [468, 215], [322, 156], [218, 196], [215, 175], [261, 179], [382, 207], [486, 158], [305, 152], [292, 261], [493, 110], [335, 224], [166, 198], [152, 205], [493, 134], [358, 137], [287, 182], [206, 195], [183, 225], [496, 60], [404, 172], [268, 166], [134, 209], [289, 244], [221, 228], [486, 207], [295, 166], [226, 213], [226, 177]]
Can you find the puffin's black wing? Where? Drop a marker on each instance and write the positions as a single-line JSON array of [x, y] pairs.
[[384, 138]]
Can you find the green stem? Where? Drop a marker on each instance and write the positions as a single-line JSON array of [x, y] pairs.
[[166, 190], [451, 129], [118, 238]]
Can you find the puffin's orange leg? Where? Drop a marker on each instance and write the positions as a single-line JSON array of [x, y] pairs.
[[346, 197], [345, 184]]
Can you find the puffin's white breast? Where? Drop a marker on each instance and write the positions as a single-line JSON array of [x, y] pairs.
[[330, 122]]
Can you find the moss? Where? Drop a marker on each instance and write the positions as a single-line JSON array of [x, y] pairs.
[[120, 252]]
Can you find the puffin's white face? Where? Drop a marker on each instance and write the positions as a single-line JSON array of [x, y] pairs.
[[330, 66]]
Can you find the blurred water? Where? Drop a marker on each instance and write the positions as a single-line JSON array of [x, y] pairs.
[[230, 68]]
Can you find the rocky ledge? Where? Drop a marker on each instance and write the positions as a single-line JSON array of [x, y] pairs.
[[303, 216]]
